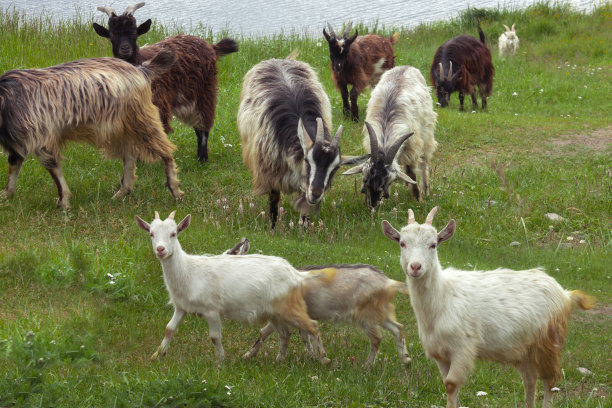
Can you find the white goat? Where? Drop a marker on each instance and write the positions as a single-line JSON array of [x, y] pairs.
[[508, 42], [249, 288], [360, 295], [515, 317], [400, 105]]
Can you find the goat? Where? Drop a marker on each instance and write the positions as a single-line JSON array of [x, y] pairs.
[[515, 317], [189, 89], [284, 120], [358, 61], [400, 106], [245, 288], [469, 64], [508, 42], [103, 101]]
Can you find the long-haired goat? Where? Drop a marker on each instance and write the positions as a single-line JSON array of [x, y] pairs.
[[398, 131], [514, 317], [245, 288], [284, 121], [103, 101], [459, 65], [508, 42], [358, 61], [189, 89]]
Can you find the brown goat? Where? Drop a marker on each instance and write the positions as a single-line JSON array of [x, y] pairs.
[[468, 63], [189, 89], [103, 101], [358, 61]]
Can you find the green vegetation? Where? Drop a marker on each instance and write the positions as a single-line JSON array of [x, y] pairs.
[[83, 304]]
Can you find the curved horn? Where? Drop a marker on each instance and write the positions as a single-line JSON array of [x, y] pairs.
[[411, 217], [512, 29], [450, 71], [156, 215], [171, 216], [506, 27], [373, 142], [336, 140], [131, 9], [392, 152], [441, 76], [347, 30], [431, 214], [331, 30], [320, 134], [108, 10]]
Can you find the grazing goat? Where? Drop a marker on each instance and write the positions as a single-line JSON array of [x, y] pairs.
[[189, 89], [358, 61], [508, 42], [247, 288], [514, 317], [102, 101], [400, 106], [284, 120], [468, 63]]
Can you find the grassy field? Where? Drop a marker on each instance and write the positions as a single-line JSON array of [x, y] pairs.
[[82, 300]]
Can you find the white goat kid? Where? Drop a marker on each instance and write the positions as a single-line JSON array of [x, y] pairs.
[[249, 288], [514, 317], [508, 42]]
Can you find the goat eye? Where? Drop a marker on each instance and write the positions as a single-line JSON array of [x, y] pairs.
[[432, 246], [403, 244], [152, 235], [173, 235]]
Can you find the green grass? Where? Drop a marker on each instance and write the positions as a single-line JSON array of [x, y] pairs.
[[83, 300]]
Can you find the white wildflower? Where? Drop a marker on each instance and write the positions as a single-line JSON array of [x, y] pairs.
[[514, 93]]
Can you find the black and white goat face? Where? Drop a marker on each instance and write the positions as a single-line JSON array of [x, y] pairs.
[[381, 169], [164, 233], [339, 47], [123, 32], [321, 160], [445, 84]]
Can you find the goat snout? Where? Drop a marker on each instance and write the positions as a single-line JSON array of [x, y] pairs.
[[416, 268], [161, 251]]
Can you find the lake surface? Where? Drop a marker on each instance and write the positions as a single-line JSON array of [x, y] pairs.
[[266, 17]]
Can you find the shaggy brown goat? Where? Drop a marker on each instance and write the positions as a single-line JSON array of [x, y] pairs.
[[189, 89], [358, 61], [468, 63], [102, 101]]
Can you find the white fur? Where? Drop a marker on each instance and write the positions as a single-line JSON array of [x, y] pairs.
[[508, 42], [245, 288]]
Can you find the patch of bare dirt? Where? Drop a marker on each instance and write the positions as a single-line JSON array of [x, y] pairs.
[[601, 313], [598, 140]]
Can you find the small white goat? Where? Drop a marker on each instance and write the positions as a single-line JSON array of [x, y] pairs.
[[514, 317], [508, 42], [249, 288]]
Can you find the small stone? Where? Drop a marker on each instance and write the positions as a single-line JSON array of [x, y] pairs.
[[515, 243], [554, 217], [584, 371]]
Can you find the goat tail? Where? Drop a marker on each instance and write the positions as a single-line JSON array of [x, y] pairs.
[[480, 33], [399, 286], [225, 46], [581, 300], [294, 54], [394, 38], [160, 63]]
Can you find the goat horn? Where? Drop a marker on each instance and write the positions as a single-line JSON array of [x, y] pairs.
[[411, 219], [347, 30], [507, 28], [336, 140], [431, 214], [157, 215], [131, 9], [513, 27], [331, 30], [441, 76], [450, 70], [171, 216], [373, 141], [320, 134], [392, 152], [108, 10]]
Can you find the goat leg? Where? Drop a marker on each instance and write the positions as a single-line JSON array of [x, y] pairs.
[[202, 144]]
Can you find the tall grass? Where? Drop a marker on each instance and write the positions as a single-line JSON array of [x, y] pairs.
[[82, 298]]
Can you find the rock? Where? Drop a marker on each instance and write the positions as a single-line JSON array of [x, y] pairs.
[[584, 371], [515, 243], [554, 217]]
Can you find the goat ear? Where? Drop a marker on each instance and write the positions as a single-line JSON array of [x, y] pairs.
[[351, 39], [304, 137], [144, 27], [447, 232], [142, 223], [390, 232], [354, 170], [101, 31], [353, 160], [401, 176], [184, 223], [246, 245]]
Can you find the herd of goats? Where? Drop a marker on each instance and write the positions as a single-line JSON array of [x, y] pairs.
[[124, 105]]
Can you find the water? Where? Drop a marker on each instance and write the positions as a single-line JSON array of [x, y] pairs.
[[265, 17]]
